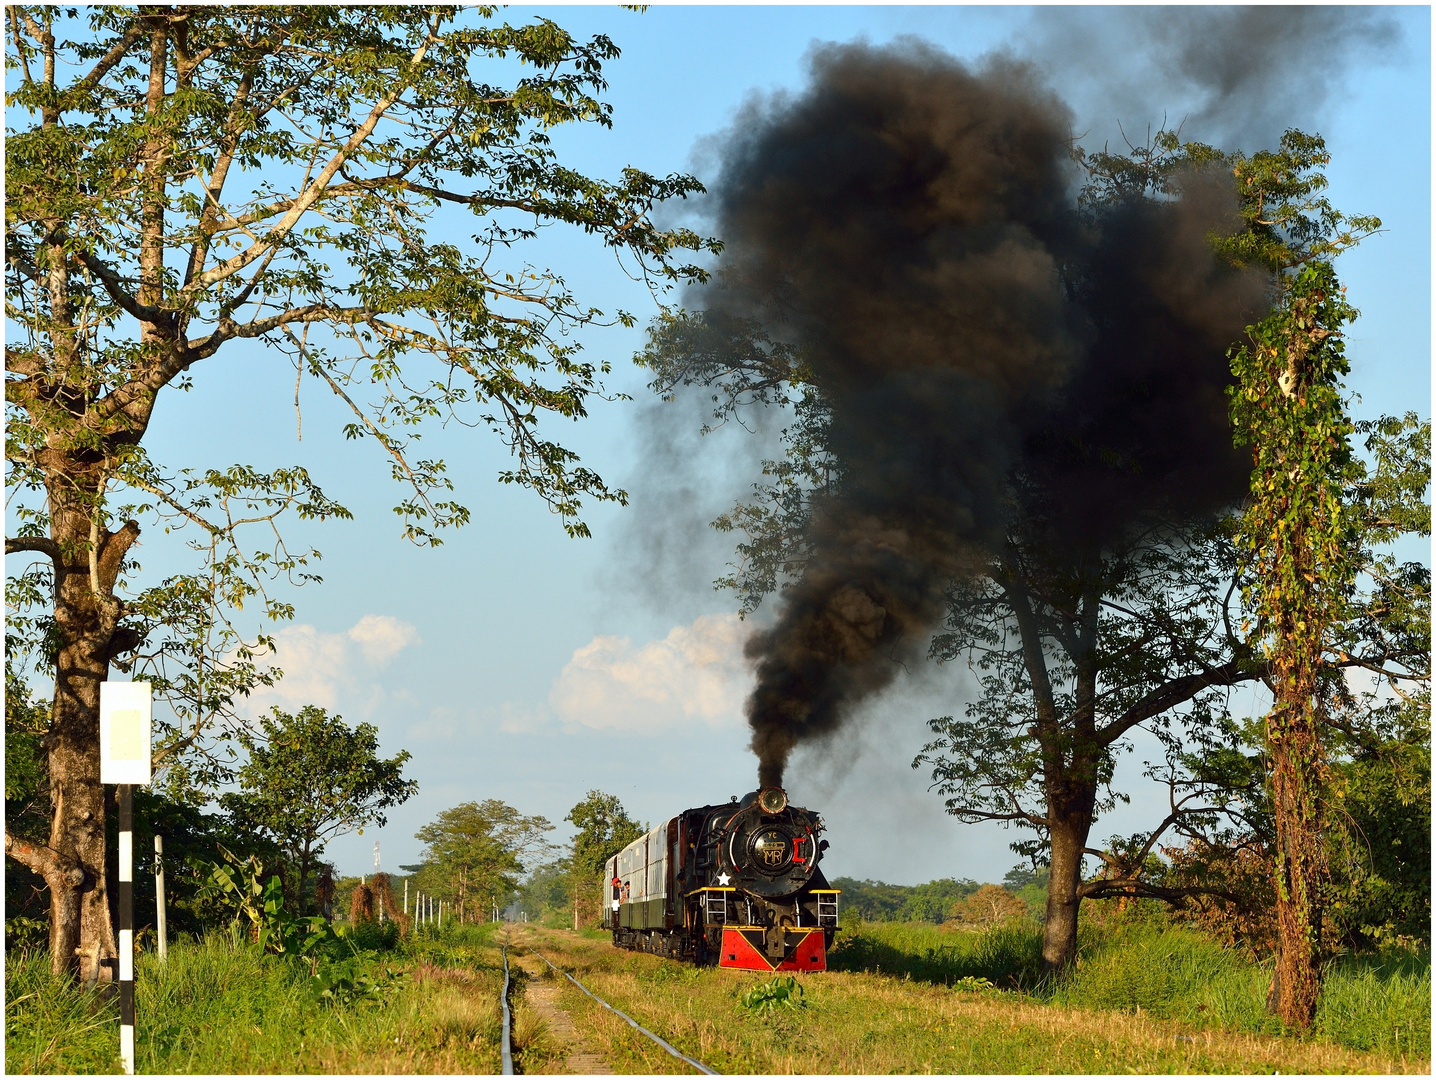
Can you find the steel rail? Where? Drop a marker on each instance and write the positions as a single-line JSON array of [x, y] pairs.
[[631, 1022], [506, 1050]]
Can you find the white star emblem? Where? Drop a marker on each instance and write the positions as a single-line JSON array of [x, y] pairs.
[[723, 878]]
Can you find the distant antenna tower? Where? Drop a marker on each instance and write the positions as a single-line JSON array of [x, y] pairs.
[[376, 856]]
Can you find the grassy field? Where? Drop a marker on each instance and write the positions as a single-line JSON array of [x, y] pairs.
[[1161, 971], [942, 1020], [900, 998], [215, 1009]]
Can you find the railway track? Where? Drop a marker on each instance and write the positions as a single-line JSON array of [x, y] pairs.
[[669, 1047], [506, 1047]]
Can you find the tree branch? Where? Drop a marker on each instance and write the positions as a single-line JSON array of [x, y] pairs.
[[42, 545], [1175, 691], [45, 861], [311, 194]]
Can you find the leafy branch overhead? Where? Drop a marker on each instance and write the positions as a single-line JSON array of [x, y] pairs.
[[291, 164]]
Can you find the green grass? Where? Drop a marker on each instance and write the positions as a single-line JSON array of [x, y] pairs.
[[1168, 972], [1008, 956], [217, 1009], [862, 1022], [51, 1027], [900, 997]]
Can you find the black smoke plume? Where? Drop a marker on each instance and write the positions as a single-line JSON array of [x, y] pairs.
[[911, 224], [1239, 75]]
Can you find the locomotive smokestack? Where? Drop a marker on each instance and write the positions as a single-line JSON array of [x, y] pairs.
[[910, 224]]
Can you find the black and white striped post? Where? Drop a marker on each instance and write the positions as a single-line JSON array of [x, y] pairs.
[[127, 927], [125, 716]]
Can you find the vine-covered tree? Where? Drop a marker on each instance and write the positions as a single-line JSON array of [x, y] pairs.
[[352, 185], [1299, 537]]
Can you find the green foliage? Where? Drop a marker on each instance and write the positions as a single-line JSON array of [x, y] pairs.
[[359, 979], [310, 778], [27, 778], [475, 854], [779, 992], [546, 895], [929, 902], [27, 807], [257, 909], [604, 829], [1380, 835], [374, 936]]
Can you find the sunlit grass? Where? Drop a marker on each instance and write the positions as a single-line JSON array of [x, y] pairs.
[[910, 1018], [217, 1009], [900, 998]]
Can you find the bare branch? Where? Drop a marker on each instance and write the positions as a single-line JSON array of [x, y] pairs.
[[41, 545]]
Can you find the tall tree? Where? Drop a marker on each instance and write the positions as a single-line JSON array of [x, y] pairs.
[[310, 778], [476, 853], [182, 181], [1299, 536], [604, 829]]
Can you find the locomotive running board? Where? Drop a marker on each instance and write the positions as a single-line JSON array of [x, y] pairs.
[[743, 948]]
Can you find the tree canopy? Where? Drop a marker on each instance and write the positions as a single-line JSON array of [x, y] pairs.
[[476, 852], [309, 778], [604, 829]]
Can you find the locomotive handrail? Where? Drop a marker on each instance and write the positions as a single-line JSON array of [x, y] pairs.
[[631, 1022], [506, 1051]]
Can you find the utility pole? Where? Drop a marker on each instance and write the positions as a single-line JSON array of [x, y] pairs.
[[381, 884], [161, 940]]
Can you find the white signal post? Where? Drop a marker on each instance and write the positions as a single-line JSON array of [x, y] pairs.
[[126, 722]]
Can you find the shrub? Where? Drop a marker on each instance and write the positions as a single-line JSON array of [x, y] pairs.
[[990, 905], [779, 992]]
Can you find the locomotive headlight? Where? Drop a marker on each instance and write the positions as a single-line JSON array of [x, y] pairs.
[[772, 800]]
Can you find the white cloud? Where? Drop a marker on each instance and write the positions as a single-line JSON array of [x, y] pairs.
[[695, 674], [333, 671], [382, 637]]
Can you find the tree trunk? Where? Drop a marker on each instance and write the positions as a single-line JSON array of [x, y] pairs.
[[1059, 933], [1294, 748], [299, 905]]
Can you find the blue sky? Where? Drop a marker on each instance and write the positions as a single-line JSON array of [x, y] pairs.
[[515, 663]]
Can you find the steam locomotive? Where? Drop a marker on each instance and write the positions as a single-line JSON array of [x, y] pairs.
[[736, 884]]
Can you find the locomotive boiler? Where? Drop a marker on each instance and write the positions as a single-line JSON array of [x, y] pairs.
[[735, 884]]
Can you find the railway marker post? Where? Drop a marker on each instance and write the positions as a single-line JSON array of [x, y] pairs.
[[125, 726], [160, 931]]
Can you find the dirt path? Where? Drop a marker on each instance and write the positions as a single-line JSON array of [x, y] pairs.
[[542, 995]]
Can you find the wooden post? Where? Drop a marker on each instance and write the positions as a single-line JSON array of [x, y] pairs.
[[406, 896], [127, 926], [160, 939]]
